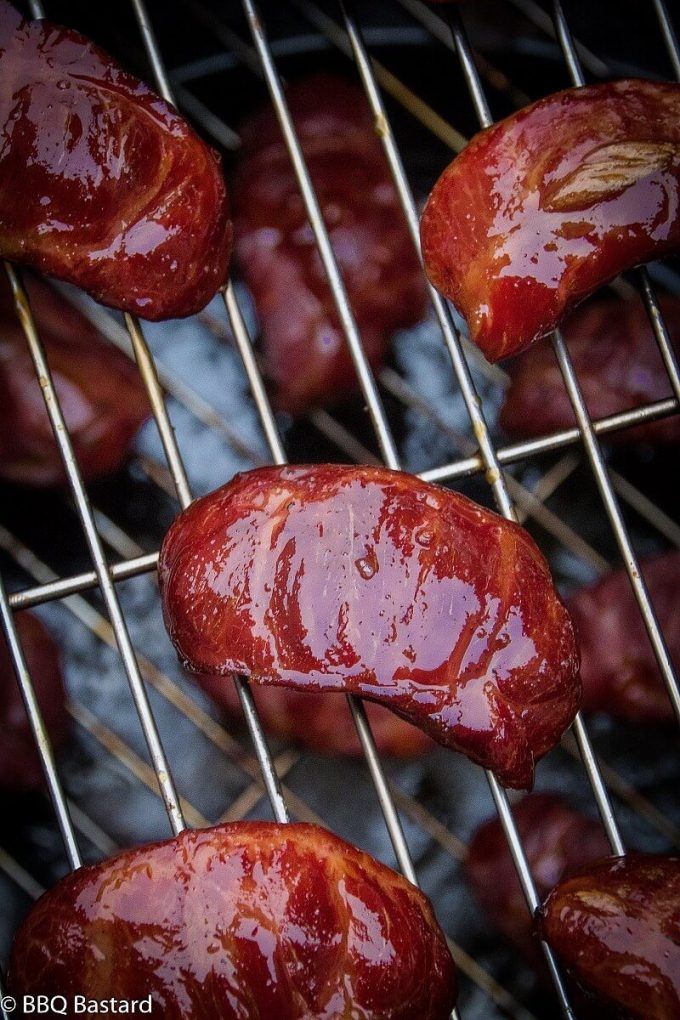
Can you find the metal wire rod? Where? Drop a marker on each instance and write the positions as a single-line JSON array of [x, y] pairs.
[[449, 332], [669, 34], [102, 571], [330, 264], [260, 743], [368, 386], [42, 739]]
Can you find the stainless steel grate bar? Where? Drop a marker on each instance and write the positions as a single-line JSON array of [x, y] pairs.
[[105, 580], [367, 383], [39, 731], [259, 739]]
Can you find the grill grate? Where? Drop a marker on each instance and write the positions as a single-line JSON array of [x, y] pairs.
[[482, 457]]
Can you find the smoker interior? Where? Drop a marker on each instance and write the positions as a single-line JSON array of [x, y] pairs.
[[442, 798]]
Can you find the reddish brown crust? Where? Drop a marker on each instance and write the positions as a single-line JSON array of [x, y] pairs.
[[248, 920], [320, 722], [556, 840], [618, 667], [618, 365], [102, 398], [20, 767], [102, 184], [616, 926], [304, 350], [543, 208], [371, 582]]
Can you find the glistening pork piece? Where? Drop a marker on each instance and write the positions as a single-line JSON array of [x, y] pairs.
[[616, 926], [546, 206], [249, 920], [372, 582], [101, 182]]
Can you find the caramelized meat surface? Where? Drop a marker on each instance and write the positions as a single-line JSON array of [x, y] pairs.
[[304, 350], [546, 206], [319, 722], [102, 184], [556, 840], [102, 398], [618, 365], [616, 927], [248, 920], [618, 668], [371, 582], [20, 767]]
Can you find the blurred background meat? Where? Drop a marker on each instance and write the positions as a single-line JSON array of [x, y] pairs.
[[304, 352]]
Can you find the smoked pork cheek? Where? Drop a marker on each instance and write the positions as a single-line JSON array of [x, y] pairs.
[[371, 582], [304, 351], [20, 767], [618, 365], [244, 921], [102, 184], [544, 207], [619, 671], [318, 721], [615, 925], [102, 398], [556, 840]]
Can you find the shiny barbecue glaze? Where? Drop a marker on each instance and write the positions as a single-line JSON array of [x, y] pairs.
[[372, 582], [616, 927], [304, 350], [543, 208], [556, 840], [20, 767], [320, 722], [246, 921], [102, 398], [618, 668], [101, 182], [618, 365]]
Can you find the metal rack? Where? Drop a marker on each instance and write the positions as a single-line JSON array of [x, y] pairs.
[[479, 457]]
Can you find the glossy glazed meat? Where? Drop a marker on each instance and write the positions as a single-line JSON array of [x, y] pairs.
[[619, 671], [618, 365], [20, 767], [101, 182], [246, 921], [102, 397], [319, 722], [371, 582], [543, 208], [616, 927], [556, 840], [304, 351]]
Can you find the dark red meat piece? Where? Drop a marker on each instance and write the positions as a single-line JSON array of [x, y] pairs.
[[101, 182], [20, 767], [320, 722], [304, 351], [618, 668], [371, 582], [618, 364], [249, 920], [543, 208], [616, 926], [102, 398], [556, 840]]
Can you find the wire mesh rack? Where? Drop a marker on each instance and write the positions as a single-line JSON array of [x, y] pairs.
[[435, 409]]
